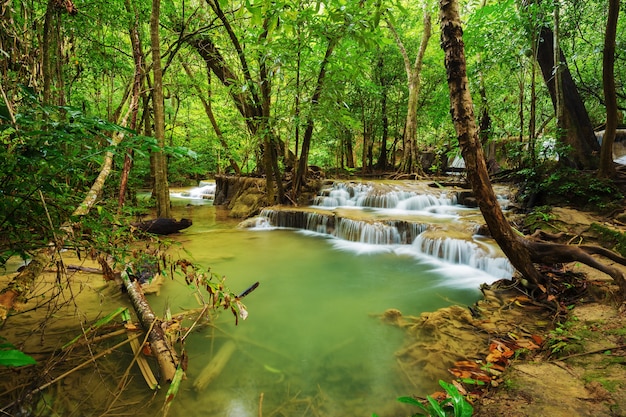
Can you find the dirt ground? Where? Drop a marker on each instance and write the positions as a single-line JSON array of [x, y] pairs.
[[513, 357]]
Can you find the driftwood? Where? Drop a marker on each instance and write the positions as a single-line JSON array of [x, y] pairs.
[[160, 345], [163, 226], [215, 366]]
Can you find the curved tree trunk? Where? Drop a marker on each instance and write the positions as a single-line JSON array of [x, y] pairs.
[[521, 252], [461, 109]]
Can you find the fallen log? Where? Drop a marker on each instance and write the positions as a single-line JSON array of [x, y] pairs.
[[163, 226], [215, 367], [160, 346]]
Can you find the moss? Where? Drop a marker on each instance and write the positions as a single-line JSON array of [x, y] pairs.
[[609, 238]]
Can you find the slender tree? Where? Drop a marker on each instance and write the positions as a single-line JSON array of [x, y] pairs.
[[161, 188], [607, 168], [410, 157]]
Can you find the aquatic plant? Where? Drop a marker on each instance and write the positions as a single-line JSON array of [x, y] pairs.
[[454, 405]]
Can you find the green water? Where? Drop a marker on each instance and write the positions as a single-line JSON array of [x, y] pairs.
[[313, 344]]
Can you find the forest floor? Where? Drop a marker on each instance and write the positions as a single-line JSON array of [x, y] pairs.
[[528, 359]]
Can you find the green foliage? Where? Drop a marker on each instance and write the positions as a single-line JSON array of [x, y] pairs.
[[565, 339], [555, 184], [12, 357], [455, 405], [51, 156], [538, 218]]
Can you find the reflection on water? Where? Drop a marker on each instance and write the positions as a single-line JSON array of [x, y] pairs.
[[312, 345]]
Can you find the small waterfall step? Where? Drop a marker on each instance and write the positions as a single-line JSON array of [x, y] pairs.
[[380, 232], [399, 195], [414, 216]]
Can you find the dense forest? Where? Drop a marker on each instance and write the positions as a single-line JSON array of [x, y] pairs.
[[100, 100], [184, 91]]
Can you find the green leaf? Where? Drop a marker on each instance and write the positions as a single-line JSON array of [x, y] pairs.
[[15, 358]]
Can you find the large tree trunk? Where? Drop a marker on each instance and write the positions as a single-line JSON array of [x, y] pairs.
[[607, 168], [461, 109], [521, 252], [161, 187], [578, 131]]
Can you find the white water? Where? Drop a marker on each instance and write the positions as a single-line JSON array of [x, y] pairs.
[[367, 228], [204, 191]]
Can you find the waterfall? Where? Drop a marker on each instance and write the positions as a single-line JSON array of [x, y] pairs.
[[463, 252], [398, 219], [204, 191], [359, 195], [388, 232]]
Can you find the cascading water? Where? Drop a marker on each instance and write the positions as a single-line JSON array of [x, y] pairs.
[[370, 221], [204, 191]]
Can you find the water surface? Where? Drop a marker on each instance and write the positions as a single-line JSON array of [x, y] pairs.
[[313, 343]]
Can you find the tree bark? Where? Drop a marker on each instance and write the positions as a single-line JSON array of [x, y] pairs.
[[607, 168], [461, 109], [410, 157], [161, 188], [578, 131], [159, 344], [303, 162]]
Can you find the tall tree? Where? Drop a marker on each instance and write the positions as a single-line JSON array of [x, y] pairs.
[[577, 130], [410, 157], [303, 162], [607, 168], [161, 188]]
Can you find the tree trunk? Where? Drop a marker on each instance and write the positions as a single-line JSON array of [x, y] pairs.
[[521, 252], [161, 188], [607, 168], [578, 131], [303, 162], [410, 157], [134, 101], [160, 345], [461, 109]]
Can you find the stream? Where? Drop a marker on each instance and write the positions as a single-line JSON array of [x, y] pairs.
[[314, 343]]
